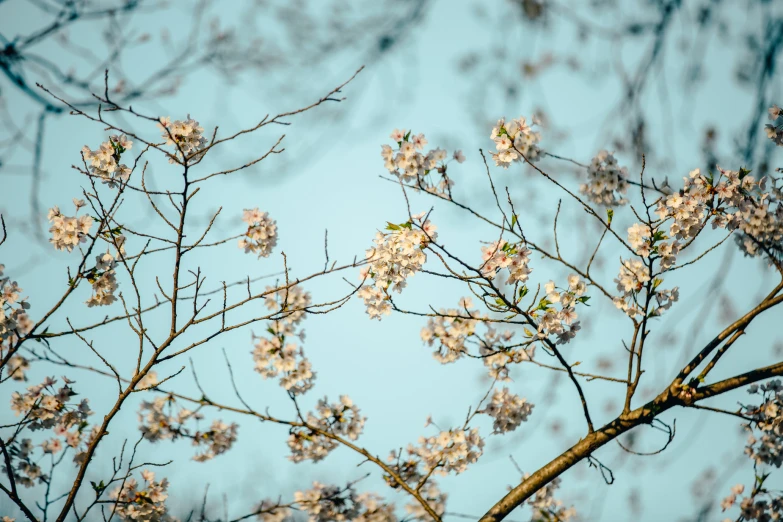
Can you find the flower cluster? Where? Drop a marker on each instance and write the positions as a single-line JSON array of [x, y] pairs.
[[408, 471], [633, 275], [646, 242], [327, 503], [289, 304], [632, 283], [508, 410], [104, 163], [607, 182], [161, 419], [261, 235], [513, 140], [27, 471], [762, 220], [187, 136], [280, 355], [773, 130], [397, 255], [103, 279], [45, 406], [68, 232], [17, 367], [449, 451], [546, 507], [450, 330], [14, 321], [562, 322], [341, 419], [434, 497], [412, 166], [218, 439], [687, 208], [498, 356], [733, 200], [754, 507], [501, 254], [767, 417], [275, 357], [147, 504]]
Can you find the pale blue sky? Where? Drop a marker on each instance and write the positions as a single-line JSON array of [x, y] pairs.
[[328, 178]]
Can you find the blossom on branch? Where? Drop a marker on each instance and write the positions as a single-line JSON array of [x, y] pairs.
[[397, 255], [508, 410], [104, 163], [607, 182], [513, 140], [422, 171], [186, 136], [341, 419], [261, 235]]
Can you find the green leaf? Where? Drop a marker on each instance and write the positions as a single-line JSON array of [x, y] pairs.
[[523, 291], [584, 300], [405, 138], [391, 226], [513, 220], [609, 215]]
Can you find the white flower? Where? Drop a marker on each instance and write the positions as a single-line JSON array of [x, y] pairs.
[[507, 410], [512, 138], [449, 451], [154, 495], [261, 235], [186, 136], [396, 256], [607, 182], [340, 418], [417, 168]]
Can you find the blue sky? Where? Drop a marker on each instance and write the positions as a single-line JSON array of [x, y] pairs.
[[328, 179]]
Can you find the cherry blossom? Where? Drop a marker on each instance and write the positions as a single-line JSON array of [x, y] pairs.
[[396, 256], [327, 503], [449, 330], [104, 163], [103, 280], [68, 232], [546, 507], [500, 255], [513, 140], [449, 451], [607, 182], [427, 172], [187, 136], [14, 322], [507, 410], [341, 419], [162, 419], [261, 235], [144, 504], [280, 355]]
